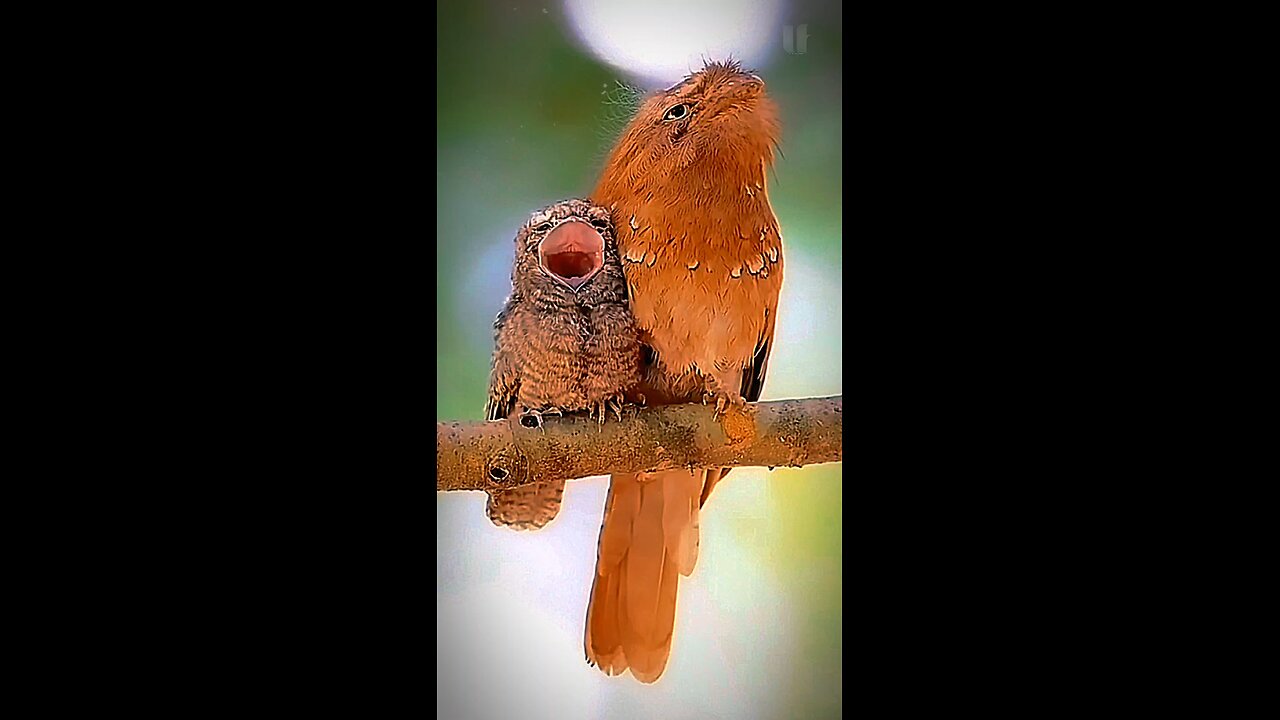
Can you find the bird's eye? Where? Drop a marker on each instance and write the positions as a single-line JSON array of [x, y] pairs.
[[544, 227], [677, 112]]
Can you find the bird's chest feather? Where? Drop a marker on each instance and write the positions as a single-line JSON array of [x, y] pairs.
[[702, 288]]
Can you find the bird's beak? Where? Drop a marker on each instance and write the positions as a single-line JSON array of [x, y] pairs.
[[572, 253]]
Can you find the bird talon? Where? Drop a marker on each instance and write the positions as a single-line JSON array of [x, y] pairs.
[[531, 418]]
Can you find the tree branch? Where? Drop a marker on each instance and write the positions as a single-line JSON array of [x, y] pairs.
[[503, 454]]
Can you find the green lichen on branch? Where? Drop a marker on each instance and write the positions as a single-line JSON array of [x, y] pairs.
[[504, 454]]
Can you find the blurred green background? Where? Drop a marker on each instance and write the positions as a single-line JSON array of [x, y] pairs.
[[526, 111]]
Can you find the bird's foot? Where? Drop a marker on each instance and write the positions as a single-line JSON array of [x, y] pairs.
[[723, 396], [724, 402], [532, 417], [596, 410], [621, 407], [616, 403]]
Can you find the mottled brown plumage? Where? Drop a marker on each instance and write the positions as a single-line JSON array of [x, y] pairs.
[[703, 258], [566, 340]]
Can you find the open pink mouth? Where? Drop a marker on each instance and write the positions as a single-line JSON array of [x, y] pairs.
[[572, 253]]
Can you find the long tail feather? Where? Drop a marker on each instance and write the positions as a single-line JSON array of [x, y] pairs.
[[648, 539], [680, 520]]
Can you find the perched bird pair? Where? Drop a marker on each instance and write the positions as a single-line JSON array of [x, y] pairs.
[[664, 285]]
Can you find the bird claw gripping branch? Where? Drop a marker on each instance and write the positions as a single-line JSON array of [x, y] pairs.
[[532, 417]]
